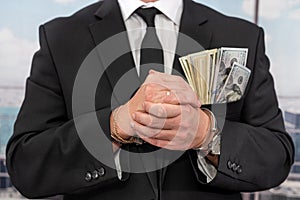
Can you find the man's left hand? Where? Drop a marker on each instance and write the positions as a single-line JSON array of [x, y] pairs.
[[173, 123]]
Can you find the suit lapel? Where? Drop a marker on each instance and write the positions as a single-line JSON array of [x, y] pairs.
[[194, 33], [111, 24]]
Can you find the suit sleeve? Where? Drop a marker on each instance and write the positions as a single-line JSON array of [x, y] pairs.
[[256, 151], [45, 155]]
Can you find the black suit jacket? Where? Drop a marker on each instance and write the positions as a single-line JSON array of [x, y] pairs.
[[45, 155]]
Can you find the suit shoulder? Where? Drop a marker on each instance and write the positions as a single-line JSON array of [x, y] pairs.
[[81, 17], [221, 20]]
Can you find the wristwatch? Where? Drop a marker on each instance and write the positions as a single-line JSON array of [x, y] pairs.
[[212, 143]]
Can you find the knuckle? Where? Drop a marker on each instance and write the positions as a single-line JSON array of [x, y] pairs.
[[137, 117], [148, 96], [148, 88], [151, 75], [169, 99]]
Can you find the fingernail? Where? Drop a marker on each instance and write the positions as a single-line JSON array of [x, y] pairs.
[[133, 116], [143, 105]]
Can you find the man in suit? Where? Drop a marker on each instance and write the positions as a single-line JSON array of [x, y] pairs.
[[51, 151]]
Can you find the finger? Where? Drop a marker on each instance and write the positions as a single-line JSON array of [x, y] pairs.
[[170, 97], [178, 89], [161, 97], [162, 110], [168, 135], [154, 92], [143, 130], [155, 122], [175, 97], [146, 131], [165, 144], [181, 91], [183, 97], [148, 120]]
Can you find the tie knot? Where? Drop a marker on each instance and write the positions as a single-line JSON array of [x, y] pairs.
[[148, 15]]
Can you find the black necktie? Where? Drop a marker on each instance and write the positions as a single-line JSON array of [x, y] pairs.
[[151, 50], [151, 58]]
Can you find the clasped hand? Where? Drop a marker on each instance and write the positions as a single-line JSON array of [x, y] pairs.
[[164, 112]]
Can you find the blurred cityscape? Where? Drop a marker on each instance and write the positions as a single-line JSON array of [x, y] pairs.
[[11, 99], [10, 102]]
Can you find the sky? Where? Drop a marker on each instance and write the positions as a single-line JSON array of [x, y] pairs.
[[20, 19]]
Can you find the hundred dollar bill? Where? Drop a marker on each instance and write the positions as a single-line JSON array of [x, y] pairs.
[[235, 84], [227, 56], [199, 63], [184, 65], [207, 71], [206, 65], [199, 68], [212, 65]]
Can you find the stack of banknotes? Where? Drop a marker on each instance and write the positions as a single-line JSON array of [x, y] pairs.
[[217, 75]]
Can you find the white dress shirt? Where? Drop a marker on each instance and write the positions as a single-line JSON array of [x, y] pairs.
[[166, 24], [167, 28]]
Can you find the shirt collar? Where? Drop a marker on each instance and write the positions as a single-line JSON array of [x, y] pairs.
[[170, 8]]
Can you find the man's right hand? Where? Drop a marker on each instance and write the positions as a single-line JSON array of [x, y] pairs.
[[123, 117]]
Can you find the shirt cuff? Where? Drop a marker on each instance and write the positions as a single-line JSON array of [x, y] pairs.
[[206, 167], [117, 162]]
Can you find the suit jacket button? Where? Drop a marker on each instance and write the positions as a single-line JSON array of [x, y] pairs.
[[234, 167], [239, 170], [95, 174], [101, 171], [88, 176], [229, 164]]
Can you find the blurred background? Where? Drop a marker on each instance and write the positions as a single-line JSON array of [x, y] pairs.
[[19, 22]]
